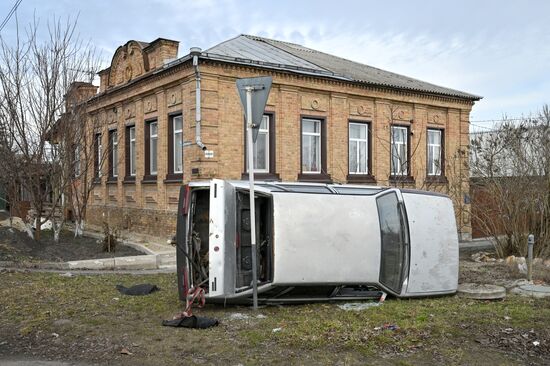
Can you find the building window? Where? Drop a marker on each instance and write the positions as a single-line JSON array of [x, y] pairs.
[[113, 158], [130, 153], [97, 153], [264, 150], [261, 148], [175, 147], [178, 144], [311, 146], [313, 161], [151, 150], [435, 156], [358, 148], [399, 151], [153, 136]]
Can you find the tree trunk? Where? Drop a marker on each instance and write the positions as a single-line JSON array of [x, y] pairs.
[[79, 228], [38, 225], [56, 230]]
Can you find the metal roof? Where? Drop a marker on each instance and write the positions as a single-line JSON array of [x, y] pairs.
[[271, 53]]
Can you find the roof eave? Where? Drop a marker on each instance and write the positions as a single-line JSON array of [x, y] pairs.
[[328, 74]]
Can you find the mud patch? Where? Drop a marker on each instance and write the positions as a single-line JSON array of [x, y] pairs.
[[17, 246]]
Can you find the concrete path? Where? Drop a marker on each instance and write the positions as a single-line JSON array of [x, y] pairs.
[[158, 256]]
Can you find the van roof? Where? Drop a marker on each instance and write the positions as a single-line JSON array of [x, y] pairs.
[[317, 188]]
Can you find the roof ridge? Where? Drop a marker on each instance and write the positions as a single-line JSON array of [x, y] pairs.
[[254, 37], [226, 41], [271, 41]]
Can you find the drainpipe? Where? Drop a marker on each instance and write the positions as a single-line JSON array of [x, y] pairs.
[[195, 52]]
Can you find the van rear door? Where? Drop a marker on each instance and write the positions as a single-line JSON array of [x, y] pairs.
[[221, 252]]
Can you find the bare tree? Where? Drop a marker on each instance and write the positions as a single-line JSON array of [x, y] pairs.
[[90, 160], [402, 163], [36, 71], [510, 168]]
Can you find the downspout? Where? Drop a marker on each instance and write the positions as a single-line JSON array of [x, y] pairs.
[[195, 52]]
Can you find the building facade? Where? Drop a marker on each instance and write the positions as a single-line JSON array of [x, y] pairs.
[[326, 119]]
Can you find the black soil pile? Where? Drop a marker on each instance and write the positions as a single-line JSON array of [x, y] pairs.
[[17, 246]]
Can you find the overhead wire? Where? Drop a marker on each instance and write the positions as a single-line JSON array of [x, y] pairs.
[[8, 17]]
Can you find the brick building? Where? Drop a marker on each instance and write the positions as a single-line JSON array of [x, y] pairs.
[[327, 119]]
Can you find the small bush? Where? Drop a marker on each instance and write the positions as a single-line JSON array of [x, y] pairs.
[[110, 238]]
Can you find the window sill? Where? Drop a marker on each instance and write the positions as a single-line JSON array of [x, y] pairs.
[[97, 180], [262, 176], [112, 180], [174, 178], [149, 179], [360, 178], [437, 179], [129, 180], [315, 178], [402, 179]]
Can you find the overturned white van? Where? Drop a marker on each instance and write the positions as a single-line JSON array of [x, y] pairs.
[[316, 242]]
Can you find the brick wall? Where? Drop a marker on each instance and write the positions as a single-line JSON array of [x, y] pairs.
[[156, 223]]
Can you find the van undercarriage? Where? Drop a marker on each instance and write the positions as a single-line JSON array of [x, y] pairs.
[[198, 246], [198, 240]]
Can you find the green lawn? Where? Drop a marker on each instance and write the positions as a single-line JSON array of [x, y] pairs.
[[86, 318]]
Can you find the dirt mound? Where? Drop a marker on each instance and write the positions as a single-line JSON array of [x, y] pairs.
[[17, 246]]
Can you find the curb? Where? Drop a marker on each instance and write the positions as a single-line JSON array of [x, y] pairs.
[[151, 261], [138, 262]]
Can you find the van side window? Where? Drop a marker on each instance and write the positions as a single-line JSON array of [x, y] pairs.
[[392, 232]]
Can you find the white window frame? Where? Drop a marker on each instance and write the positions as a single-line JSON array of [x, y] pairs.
[[114, 153], [132, 151], [99, 146], [402, 169], [177, 146], [261, 131], [433, 168], [151, 157], [318, 135], [359, 141]]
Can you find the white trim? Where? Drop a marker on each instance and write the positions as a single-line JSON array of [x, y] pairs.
[[151, 138], [317, 135], [132, 150], [266, 132], [358, 141], [403, 168], [433, 169], [114, 153], [99, 146], [175, 145]]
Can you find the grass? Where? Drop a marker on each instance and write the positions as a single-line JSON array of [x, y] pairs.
[[94, 322]]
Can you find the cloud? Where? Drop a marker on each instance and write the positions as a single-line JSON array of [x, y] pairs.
[[500, 50]]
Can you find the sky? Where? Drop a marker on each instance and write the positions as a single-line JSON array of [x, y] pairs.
[[496, 49]]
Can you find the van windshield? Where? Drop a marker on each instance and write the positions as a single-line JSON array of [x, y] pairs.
[[393, 235]]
